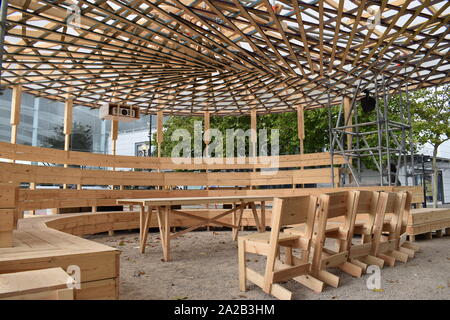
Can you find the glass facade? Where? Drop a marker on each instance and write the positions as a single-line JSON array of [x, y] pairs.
[[41, 121]]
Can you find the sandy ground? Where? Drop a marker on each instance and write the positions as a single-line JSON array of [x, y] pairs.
[[205, 267]]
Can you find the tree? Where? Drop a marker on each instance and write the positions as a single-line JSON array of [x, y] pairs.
[[316, 123], [81, 138], [431, 124]]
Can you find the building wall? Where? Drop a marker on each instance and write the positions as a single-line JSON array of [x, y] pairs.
[[126, 142], [39, 117]]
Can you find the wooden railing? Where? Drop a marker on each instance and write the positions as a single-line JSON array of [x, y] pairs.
[[59, 198], [18, 173], [241, 183], [54, 156]]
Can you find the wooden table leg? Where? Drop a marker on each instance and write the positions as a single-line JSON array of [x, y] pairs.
[[238, 221], [234, 222], [255, 216], [141, 224], [166, 244], [148, 216], [263, 215]]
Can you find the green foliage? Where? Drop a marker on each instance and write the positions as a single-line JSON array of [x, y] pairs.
[[431, 116], [430, 123], [316, 124], [81, 138]]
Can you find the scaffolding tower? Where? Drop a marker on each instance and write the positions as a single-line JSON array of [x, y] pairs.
[[349, 138]]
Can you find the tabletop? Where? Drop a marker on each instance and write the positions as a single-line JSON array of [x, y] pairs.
[[193, 200]]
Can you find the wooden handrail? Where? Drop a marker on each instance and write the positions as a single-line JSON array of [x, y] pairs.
[[19, 152], [19, 173]]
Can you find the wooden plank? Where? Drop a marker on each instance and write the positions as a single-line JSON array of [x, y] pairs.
[[22, 283]]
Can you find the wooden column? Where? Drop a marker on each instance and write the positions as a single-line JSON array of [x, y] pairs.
[[207, 139], [300, 131], [253, 127], [206, 126], [348, 122], [67, 126], [301, 127], [15, 111], [114, 135], [68, 116], [8, 214], [159, 131]]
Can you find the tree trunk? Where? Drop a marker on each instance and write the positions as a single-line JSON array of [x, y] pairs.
[[435, 177]]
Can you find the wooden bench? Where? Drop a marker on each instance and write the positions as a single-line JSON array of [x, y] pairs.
[[427, 220], [44, 284]]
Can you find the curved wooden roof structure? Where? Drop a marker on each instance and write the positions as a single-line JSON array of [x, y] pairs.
[[223, 56]]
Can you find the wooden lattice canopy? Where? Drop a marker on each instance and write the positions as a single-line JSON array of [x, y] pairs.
[[225, 56]]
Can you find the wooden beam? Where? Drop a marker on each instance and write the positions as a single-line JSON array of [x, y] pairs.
[[253, 135], [16, 102], [301, 126], [206, 124], [114, 135], [68, 116], [348, 116], [348, 121], [159, 131]]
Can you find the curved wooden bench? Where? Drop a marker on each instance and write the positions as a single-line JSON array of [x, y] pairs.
[[38, 246]]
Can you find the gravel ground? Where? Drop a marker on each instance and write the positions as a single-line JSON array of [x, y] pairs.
[[205, 267]]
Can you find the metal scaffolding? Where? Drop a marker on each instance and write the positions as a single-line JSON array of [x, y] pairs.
[[393, 148]]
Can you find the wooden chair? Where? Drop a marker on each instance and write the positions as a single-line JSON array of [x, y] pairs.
[[386, 246], [367, 208], [285, 211], [340, 204], [407, 246]]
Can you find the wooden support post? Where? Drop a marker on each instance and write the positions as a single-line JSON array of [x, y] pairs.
[[159, 131], [67, 126], [447, 231], [439, 233], [301, 127], [300, 131], [8, 216], [206, 127], [68, 116], [114, 136], [16, 102], [348, 122], [207, 140], [253, 135]]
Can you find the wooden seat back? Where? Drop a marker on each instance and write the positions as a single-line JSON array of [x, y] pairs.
[[393, 204]]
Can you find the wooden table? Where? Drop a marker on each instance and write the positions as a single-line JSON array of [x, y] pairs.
[[163, 209]]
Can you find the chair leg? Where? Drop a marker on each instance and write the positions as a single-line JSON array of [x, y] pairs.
[[400, 256], [310, 282], [352, 269], [328, 278], [360, 264], [288, 256], [242, 265], [388, 259]]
